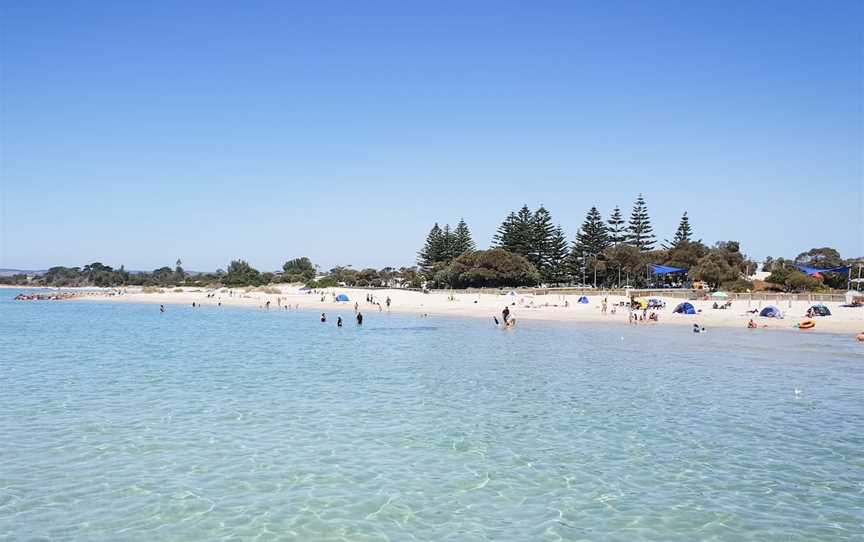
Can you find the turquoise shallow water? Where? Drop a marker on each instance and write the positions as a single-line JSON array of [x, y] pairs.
[[120, 423]]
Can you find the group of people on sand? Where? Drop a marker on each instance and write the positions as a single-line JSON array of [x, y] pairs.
[[634, 318], [370, 298]]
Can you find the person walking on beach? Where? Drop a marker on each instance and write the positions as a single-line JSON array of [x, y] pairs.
[[505, 314], [359, 318]]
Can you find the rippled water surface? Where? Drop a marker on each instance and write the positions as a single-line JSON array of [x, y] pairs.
[[121, 423]]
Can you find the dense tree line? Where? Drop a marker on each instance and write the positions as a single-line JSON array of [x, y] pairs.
[[786, 276], [239, 273], [610, 252], [528, 248], [442, 247]]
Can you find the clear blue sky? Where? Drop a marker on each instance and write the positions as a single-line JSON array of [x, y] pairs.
[[138, 132]]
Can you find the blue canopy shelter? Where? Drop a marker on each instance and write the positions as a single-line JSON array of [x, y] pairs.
[[685, 308], [770, 312], [583, 300], [657, 269], [342, 297], [813, 270]]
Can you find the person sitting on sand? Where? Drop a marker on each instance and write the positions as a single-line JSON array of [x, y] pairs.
[[751, 324]]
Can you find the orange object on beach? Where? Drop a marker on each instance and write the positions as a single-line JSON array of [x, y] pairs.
[[807, 324], [860, 337]]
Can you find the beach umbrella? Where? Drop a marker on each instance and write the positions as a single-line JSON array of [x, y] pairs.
[[719, 295]]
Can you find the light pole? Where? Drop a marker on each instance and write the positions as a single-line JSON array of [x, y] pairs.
[[584, 264]]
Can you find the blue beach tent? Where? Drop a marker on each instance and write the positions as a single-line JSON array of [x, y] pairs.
[[685, 308], [342, 297], [583, 299], [770, 312]]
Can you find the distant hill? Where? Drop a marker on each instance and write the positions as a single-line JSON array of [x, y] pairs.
[[10, 272]]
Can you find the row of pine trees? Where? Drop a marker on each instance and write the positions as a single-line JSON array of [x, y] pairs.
[[534, 235]]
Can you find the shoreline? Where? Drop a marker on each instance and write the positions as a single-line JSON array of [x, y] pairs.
[[844, 321]]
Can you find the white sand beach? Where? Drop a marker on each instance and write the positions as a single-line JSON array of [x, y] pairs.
[[846, 320]]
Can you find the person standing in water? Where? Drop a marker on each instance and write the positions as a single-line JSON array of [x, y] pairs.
[[505, 314], [338, 321], [323, 317], [359, 318], [388, 302], [161, 308]]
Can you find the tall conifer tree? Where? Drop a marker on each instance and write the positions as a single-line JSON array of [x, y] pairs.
[[640, 234], [516, 233], [557, 271], [617, 233], [434, 250], [593, 236], [542, 234], [462, 240], [684, 232]]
